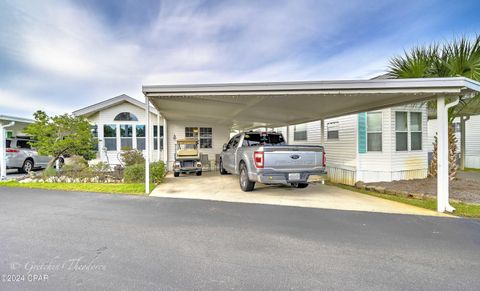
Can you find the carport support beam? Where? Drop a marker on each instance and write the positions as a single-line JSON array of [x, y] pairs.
[[443, 178], [3, 153], [147, 146]]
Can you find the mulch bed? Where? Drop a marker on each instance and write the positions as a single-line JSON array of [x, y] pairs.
[[460, 189]]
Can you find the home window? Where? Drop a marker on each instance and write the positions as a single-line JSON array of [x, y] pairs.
[[110, 136], [126, 136], [374, 131], [416, 131], [140, 135], [125, 116], [332, 130], [94, 131], [300, 132], [206, 137], [203, 134], [155, 137], [401, 131]]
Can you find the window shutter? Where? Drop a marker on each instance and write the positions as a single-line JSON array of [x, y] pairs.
[[362, 132]]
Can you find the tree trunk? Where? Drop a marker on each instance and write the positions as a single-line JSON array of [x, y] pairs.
[[452, 155]]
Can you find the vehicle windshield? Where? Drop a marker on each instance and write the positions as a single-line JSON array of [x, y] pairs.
[[186, 146], [254, 139]]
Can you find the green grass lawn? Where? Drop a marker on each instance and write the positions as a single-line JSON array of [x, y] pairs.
[[471, 170], [462, 209], [127, 188]]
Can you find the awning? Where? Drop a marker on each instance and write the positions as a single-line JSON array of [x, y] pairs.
[[250, 105]]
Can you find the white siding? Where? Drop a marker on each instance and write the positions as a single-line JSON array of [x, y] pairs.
[[220, 136], [472, 144], [107, 116], [390, 165], [313, 134]]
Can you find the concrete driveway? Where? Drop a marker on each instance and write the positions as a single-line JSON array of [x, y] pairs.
[[212, 186]]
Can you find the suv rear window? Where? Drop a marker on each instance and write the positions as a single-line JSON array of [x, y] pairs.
[[23, 144], [254, 139], [8, 143]]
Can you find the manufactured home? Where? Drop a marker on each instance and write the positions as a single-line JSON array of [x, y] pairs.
[[383, 145], [119, 123]]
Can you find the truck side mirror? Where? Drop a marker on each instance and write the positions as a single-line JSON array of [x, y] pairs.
[[224, 147]]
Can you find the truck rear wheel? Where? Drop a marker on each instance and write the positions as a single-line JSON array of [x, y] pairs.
[[199, 173], [245, 184], [176, 174], [300, 185]]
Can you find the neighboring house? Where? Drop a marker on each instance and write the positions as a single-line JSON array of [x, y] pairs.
[[472, 139], [384, 145], [119, 123]]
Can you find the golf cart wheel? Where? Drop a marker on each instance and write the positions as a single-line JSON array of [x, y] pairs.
[[245, 184], [199, 173], [300, 185], [176, 174], [27, 166], [222, 170]]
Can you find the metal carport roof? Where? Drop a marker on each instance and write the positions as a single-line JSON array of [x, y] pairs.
[[248, 105]]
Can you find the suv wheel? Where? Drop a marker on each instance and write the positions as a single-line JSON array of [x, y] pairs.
[[245, 184], [222, 170], [27, 166]]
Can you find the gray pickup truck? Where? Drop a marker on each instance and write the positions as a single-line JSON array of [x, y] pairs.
[[265, 157]]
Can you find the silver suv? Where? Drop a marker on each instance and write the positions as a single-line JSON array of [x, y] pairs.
[[21, 156]]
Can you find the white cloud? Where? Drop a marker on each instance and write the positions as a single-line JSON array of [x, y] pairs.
[[26, 105]]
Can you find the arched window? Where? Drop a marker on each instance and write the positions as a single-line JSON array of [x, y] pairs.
[[125, 116]]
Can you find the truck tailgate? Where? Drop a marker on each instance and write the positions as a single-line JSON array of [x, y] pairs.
[[293, 158]]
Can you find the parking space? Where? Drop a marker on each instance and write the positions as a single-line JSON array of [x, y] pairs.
[[212, 186]]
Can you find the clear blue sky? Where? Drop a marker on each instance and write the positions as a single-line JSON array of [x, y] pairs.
[[60, 56]]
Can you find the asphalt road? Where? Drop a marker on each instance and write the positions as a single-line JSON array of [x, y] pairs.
[[111, 242]]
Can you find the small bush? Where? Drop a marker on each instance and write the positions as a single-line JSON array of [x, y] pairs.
[[157, 172], [132, 157], [75, 163], [100, 167], [136, 173], [49, 172]]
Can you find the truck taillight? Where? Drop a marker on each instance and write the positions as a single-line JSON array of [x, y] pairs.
[[12, 151], [324, 158], [258, 158]]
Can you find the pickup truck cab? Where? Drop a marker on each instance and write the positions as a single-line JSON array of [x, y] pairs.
[[264, 157]]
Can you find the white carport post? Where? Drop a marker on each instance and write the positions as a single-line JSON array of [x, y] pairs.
[[3, 153], [165, 143], [158, 137], [443, 178], [147, 146], [322, 132]]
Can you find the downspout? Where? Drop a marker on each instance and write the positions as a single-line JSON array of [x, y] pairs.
[[3, 149]]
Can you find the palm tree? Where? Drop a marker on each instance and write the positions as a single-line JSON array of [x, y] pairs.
[[460, 57]]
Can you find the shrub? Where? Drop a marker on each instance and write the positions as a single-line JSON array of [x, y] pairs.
[[157, 172], [136, 173], [132, 157], [49, 172], [75, 163]]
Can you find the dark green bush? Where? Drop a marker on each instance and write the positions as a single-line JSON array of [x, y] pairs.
[[157, 172], [136, 173]]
